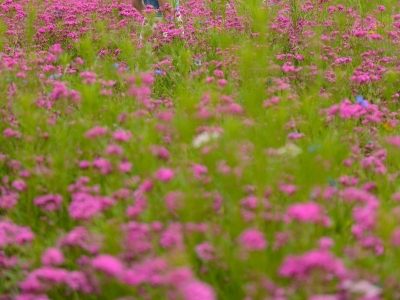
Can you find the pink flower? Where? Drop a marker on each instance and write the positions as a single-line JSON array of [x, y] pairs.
[[84, 206], [122, 135], [301, 266], [222, 82], [160, 152], [172, 237], [205, 251], [56, 49], [219, 73], [9, 133], [253, 240], [108, 264], [80, 237], [395, 141], [96, 132], [308, 212], [88, 77], [12, 234], [51, 202], [77, 281], [103, 164], [19, 185], [197, 290], [198, 170], [84, 164], [288, 189], [125, 166], [164, 174], [114, 150], [53, 257]]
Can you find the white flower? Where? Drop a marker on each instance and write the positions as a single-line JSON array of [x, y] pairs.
[[290, 149], [204, 138], [363, 287]]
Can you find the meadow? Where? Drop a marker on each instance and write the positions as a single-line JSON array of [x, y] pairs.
[[251, 152]]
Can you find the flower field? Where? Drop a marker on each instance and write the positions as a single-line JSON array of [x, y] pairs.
[[251, 151]]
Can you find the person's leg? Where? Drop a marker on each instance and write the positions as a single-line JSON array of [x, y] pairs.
[[164, 5], [139, 5], [166, 8]]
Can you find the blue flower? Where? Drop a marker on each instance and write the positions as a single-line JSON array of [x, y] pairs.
[[197, 62], [360, 100], [55, 76], [159, 72], [116, 65], [313, 148], [333, 182]]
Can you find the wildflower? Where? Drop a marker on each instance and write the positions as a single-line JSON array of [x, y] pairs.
[[96, 132], [19, 185], [301, 266], [313, 148], [84, 206], [198, 62], [56, 49], [172, 237], [108, 264], [363, 287], [77, 281], [55, 76], [308, 212], [8, 133], [159, 72], [360, 100], [219, 73], [290, 149], [204, 138], [125, 166], [395, 141], [164, 174], [295, 135], [332, 182], [205, 251], [53, 257], [122, 136], [253, 240], [12, 234], [197, 290], [387, 126], [198, 170], [88, 77], [114, 150], [51, 202]]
